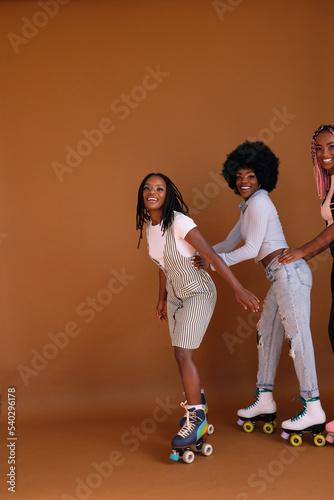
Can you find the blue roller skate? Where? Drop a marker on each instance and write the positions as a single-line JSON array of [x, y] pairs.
[[191, 437], [205, 404]]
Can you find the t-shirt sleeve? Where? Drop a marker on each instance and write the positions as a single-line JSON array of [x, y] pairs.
[[182, 225]]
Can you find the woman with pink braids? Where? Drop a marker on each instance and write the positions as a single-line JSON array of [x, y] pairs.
[[323, 165]]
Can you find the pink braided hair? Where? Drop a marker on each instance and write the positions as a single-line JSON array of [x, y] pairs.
[[322, 179]]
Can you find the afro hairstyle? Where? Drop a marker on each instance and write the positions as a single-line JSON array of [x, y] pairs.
[[255, 156]]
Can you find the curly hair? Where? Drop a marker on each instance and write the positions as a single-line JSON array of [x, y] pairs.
[[174, 201], [256, 156], [322, 178]]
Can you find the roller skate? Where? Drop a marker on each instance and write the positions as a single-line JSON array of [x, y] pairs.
[[262, 410], [205, 404], [311, 418], [330, 431], [191, 437]]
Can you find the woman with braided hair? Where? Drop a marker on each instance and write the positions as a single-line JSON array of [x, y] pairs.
[[322, 151], [187, 296]]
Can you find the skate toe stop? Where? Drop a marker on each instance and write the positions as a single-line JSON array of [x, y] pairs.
[[330, 438]]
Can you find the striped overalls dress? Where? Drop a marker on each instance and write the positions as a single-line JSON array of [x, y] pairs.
[[191, 296]]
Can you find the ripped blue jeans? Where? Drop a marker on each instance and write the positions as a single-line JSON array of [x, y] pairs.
[[286, 313]]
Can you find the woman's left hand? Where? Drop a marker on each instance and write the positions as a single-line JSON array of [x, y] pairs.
[[290, 255], [199, 262]]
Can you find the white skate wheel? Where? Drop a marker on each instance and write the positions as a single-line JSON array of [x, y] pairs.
[[188, 457], [207, 449], [210, 429]]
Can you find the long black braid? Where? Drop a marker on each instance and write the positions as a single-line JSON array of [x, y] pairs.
[[174, 201]]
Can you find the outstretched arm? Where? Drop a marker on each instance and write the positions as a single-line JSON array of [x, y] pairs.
[[255, 219], [310, 249], [243, 296], [233, 239]]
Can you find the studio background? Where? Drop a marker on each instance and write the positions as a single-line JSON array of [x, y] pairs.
[[95, 95]]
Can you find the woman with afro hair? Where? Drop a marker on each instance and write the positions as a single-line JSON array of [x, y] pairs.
[[322, 151], [251, 170]]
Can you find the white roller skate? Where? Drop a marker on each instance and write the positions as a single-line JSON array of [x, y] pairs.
[[192, 437], [262, 410], [311, 418]]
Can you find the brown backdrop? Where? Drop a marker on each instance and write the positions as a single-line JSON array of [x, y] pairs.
[[94, 95]]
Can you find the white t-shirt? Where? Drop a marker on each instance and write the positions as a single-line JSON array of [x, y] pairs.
[[259, 226], [182, 224]]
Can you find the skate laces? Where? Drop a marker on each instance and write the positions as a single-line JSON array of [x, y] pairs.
[[256, 395], [184, 405], [190, 422], [303, 411]]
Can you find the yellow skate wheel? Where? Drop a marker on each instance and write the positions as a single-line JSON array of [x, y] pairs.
[[319, 440], [296, 440], [268, 428], [248, 426], [275, 424], [188, 457]]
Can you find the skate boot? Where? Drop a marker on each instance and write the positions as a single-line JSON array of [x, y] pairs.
[[191, 437], [330, 430], [311, 418], [205, 405], [262, 410]]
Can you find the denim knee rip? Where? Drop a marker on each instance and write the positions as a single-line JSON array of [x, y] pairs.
[[292, 352], [291, 349], [259, 340]]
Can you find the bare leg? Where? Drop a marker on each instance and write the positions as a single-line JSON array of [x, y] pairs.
[[189, 374]]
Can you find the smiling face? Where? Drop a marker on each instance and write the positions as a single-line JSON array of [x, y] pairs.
[[154, 196], [324, 148], [246, 183]]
